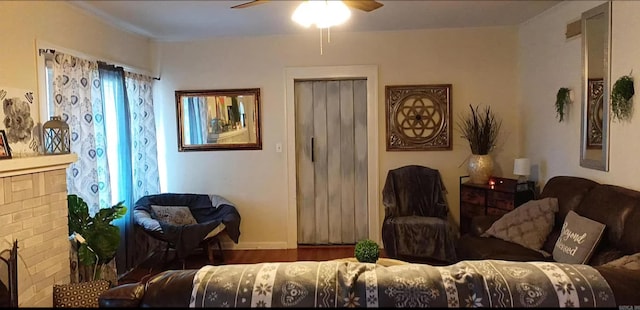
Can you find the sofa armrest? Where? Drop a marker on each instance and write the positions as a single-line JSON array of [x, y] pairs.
[[122, 296], [480, 224]]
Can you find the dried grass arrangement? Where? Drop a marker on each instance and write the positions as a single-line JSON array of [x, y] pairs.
[[481, 129]]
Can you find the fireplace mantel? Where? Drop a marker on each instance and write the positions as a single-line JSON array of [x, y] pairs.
[[33, 201], [26, 165]]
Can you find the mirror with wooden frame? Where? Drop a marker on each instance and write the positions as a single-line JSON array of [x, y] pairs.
[[227, 119], [596, 51]]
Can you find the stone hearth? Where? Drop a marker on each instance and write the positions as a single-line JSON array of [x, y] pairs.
[[33, 211]]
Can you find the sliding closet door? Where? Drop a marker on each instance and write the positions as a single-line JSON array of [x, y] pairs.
[[331, 148]]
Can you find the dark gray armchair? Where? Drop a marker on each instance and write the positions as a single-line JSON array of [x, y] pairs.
[[416, 224]]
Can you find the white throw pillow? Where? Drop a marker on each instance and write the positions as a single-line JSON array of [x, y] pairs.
[[527, 225]]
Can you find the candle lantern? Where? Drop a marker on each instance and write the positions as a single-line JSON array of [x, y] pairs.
[[55, 134]]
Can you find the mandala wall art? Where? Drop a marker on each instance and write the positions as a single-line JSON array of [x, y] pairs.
[[418, 117], [18, 120]]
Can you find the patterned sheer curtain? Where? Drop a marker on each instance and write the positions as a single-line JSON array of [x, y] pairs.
[[144, 154], [77, 97], [204, 127], [197, 120], [146, 178]]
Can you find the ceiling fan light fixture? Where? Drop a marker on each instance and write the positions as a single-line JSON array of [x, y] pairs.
[[303, 14], [322, 13]]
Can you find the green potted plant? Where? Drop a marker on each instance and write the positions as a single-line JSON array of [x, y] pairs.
[[621, 95], [563, 98], [480, 129], [367, 251], [97, 238]]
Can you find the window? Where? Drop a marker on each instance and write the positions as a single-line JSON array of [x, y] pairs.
[[94, 102], [109, 93], [48, 62], [113, 139]]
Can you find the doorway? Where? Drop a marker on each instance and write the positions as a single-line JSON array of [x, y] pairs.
[[362, 72], [331, 154]]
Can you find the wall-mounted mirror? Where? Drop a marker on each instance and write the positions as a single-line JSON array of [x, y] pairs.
[[226, 119], [596, 47]]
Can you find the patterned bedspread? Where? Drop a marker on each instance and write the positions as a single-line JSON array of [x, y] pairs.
[[486, 283]]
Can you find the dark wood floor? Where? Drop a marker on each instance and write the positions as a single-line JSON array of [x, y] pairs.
[[309, 253]]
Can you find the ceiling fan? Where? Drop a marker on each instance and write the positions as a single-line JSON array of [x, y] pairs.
[[364, 5]]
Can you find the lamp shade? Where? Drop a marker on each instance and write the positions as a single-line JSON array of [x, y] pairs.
[[522, 166]]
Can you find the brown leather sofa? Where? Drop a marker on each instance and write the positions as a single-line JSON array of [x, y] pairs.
[[616, 207], [174, 288]]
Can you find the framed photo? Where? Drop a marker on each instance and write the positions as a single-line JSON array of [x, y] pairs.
[[5, 150], [418, 117]]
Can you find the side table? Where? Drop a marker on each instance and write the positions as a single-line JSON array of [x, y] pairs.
[[498, 197]]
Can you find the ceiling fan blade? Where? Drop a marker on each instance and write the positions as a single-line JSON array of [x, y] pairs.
[[248, 4], [366, 6]]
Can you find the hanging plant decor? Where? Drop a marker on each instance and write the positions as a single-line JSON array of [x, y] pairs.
[[563, 99], [621, 95]]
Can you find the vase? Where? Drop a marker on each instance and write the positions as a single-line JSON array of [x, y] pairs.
[[480, 168]]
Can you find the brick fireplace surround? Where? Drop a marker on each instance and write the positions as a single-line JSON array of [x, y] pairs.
[[33, 210]]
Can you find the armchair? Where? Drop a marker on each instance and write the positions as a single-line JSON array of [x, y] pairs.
[[416, 223], [188, 221]]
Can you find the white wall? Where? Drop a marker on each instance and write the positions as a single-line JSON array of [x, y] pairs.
[[548, 61], [481, 63], [61, 24], [27, 26]]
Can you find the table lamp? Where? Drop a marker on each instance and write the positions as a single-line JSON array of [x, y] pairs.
[[522, 168]]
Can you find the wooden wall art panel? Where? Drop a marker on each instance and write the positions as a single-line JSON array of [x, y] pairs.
[[418, 117]]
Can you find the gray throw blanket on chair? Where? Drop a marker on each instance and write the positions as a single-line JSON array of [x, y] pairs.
[[416, 220]]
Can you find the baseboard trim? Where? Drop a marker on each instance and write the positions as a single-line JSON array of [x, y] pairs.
[[254, 245], [229, 245]]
